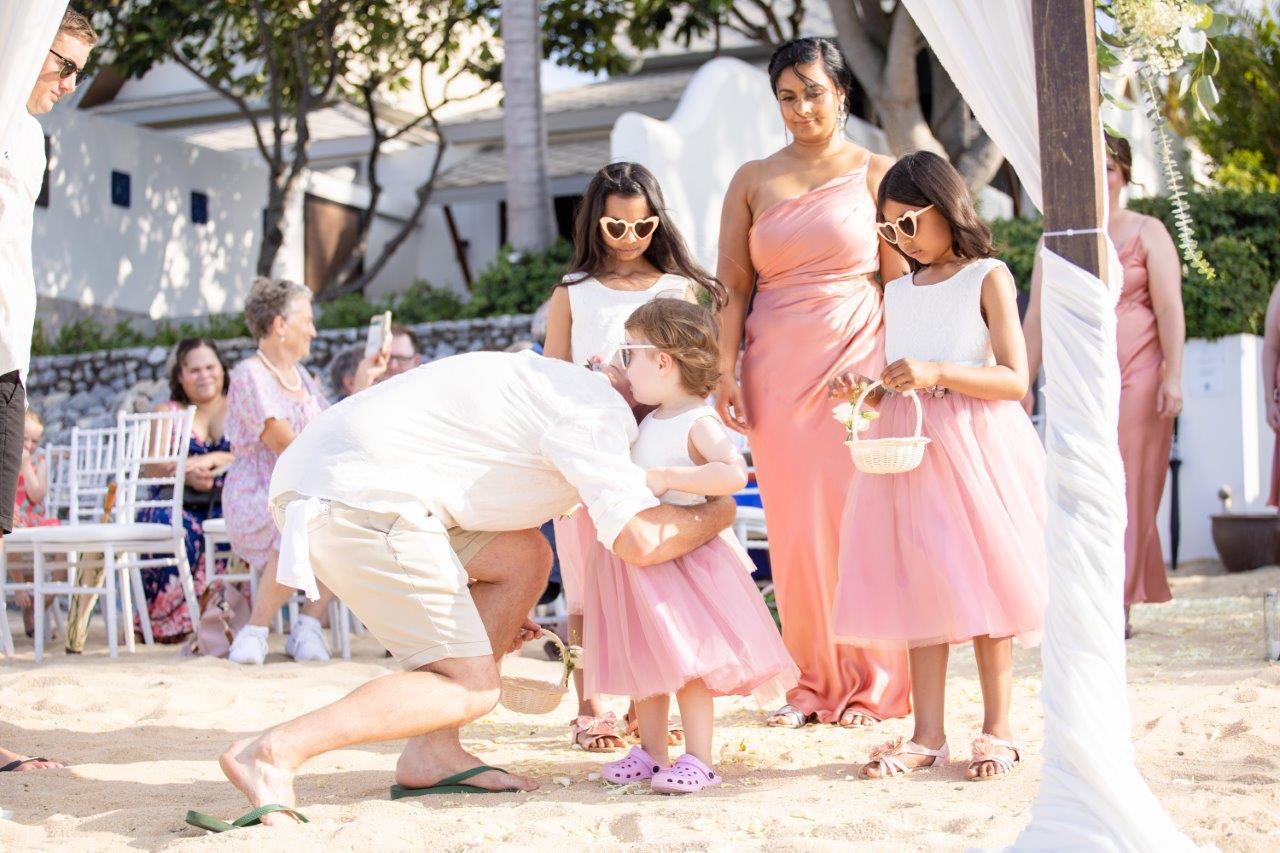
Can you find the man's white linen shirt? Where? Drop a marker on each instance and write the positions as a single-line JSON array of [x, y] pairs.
[[483, 441]]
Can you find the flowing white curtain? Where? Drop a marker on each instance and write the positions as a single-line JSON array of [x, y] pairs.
[[1091, 794], [27, 28]]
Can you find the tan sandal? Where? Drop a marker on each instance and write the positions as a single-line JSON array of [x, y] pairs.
[[984, 751], [888, 757], [593, 734]]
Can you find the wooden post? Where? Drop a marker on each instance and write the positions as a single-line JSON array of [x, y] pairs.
[[1071, 153]]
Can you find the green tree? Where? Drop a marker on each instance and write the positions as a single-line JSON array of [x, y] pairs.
[[1244, 134], [279, 61]]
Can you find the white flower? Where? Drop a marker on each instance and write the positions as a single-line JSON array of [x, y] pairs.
[[844, 414]]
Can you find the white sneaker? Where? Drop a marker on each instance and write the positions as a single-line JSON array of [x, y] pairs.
[[249, 646], [306, 641]]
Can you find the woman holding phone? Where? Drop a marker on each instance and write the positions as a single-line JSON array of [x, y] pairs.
[[197, 377]]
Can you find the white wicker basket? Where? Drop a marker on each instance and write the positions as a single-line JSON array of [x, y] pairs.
[[886, 455], [531, 696]]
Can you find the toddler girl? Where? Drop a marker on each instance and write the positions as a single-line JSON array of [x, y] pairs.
[[696, 626], [952, 551]]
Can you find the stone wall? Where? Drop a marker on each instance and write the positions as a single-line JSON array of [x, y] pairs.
[[87, 389]]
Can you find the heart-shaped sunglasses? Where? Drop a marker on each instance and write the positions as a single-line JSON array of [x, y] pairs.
[[617, 229], [904, 226]]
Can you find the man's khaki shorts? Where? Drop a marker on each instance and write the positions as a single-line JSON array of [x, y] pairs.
[[404, 578]]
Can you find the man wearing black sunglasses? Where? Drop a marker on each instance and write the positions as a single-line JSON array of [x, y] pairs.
[[22, 165]]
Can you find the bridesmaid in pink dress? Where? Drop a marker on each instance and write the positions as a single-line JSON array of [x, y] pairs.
[[798, 227], [1150, 336]]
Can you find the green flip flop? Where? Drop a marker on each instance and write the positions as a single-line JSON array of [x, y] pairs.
[[453, 785], [253, 818]]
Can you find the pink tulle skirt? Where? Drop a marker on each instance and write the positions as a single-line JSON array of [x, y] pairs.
[[651, 630], [955, 548], [578, 551]]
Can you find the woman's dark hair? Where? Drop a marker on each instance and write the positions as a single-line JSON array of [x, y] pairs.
[[922, 178], [667, 250], [1119, 151], [802, 51], [180, 353]]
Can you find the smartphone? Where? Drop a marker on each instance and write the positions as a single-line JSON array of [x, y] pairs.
[[379, 334]]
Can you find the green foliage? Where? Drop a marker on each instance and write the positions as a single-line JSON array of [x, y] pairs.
[[1248, 113], [517, 283], [1015, 241], [421, 303], [1239, 233], [1246, 171]]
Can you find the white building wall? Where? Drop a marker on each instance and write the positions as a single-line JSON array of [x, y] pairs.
[[149, 258], [1224, 439]]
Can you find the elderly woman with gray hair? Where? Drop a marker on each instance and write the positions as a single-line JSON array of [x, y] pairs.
[[271, 399]]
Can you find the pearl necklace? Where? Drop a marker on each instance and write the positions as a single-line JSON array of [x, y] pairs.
[[278, 374]]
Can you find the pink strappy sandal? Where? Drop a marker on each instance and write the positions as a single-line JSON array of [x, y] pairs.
[[637, 766], [887, 757], [984, 750], [687, 776]]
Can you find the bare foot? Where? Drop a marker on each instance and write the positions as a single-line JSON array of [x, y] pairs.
[[250, 766], [418, 771], [852, 718]]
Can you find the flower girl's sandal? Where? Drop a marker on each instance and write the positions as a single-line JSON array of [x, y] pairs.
[[687, 776], [637, 766], [596, 734], [887, 758], [985, 751]]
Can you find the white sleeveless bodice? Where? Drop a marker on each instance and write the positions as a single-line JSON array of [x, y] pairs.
[[939, 322], [664, 443], [600, 313]]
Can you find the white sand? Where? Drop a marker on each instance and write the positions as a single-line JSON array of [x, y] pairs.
[[142, 734]]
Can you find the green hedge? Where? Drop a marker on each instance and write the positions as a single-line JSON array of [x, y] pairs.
[[518, 282], [1239, 234], [421, 303]]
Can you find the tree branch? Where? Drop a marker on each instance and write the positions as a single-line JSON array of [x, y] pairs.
[[979, 162], [865, 58], [273, 76], [240, 103]]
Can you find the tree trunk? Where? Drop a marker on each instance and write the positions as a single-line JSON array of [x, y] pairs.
[[530, 219], [887, 72]]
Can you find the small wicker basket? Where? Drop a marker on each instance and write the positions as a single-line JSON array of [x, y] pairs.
[[531, 696], [887, 455]]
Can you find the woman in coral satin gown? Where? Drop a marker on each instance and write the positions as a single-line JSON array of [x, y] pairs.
[[799, 228], [1150, 336]]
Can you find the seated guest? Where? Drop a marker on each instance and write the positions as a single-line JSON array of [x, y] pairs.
[[197, 377], [342, 372], [271, 398], [33, 486], [406, 352]]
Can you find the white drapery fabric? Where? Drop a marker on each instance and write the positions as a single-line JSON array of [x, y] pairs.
[[1091, 795], [27, 28]]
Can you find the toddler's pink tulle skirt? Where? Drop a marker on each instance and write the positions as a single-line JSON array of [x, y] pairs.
[[651, 630]]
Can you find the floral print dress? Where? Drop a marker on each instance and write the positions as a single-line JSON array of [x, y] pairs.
[[254, 398], [166, 604]]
